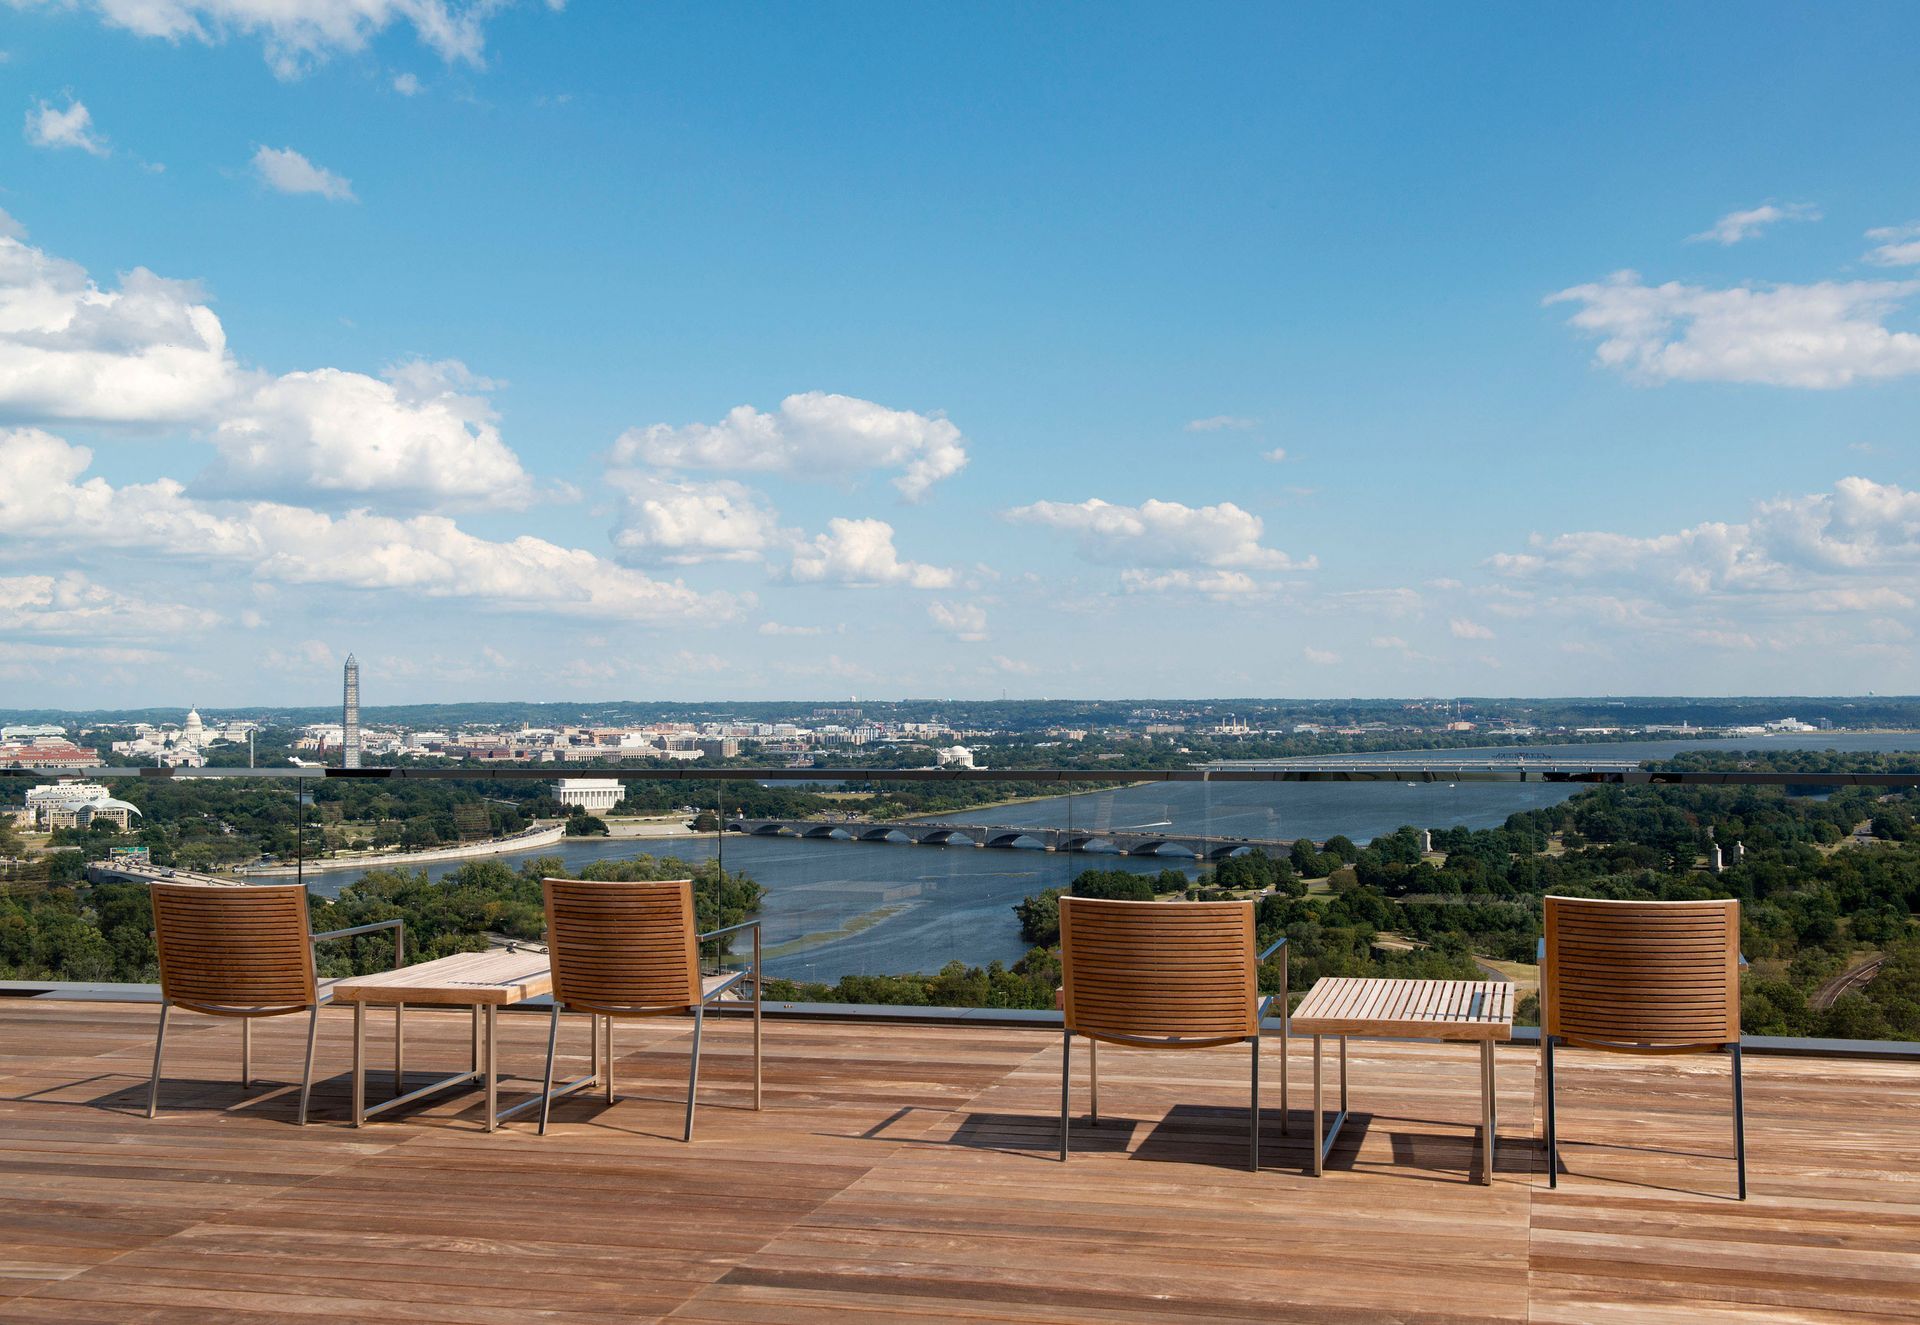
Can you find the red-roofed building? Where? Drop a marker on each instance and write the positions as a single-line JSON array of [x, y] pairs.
[[48, 754]]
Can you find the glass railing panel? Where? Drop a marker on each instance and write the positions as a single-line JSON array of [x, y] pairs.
[[878, 888]]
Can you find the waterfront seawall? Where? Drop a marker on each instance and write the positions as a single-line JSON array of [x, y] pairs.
[[499, 846]]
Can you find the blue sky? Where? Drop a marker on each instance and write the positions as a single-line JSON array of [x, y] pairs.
[[690, 351]]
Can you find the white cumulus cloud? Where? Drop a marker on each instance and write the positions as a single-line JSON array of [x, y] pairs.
[[1222, 423], [46, 504], [1812, 578], [1823, 335], [286, 171], [49, 126], [1162, 533], [813, 434], [1207, 583], [151, 353], [861, 552], [963, 621], [421, 433], [1895, 245], [682, 523], [1461, 628], [1736, 226], [70, 604], [299, 34]]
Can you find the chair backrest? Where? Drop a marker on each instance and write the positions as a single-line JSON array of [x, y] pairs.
[[1642, 975], [230, 948], [623, 946], [1155, 972]]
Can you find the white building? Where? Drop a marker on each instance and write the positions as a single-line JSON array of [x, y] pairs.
[[594, 795], [8, 735], [955, 756], [44, 799]]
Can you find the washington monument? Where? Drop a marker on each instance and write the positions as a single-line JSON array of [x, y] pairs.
[[350, 717]]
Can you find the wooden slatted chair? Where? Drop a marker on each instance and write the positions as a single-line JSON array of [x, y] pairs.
[[1163, 975], [246, 952], [631, 950], [234, 952], [1641, 977]]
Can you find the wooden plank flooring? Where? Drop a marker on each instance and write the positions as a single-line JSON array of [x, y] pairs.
[[908, 1174]]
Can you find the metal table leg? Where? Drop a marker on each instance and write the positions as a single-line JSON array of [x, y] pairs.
[[401, 1096], [1322, 1148], [492, 1067]]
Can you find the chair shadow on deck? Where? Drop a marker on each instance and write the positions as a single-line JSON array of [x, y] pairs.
[[1601, 1177], [1212, 1135], [128, 1094]]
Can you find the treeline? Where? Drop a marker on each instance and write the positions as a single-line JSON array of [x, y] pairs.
[[103, 932], [1812, 908]]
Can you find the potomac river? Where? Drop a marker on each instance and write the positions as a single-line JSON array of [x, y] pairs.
[[837, 907]]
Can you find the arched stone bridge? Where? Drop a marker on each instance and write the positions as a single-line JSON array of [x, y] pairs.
[[908, 832]]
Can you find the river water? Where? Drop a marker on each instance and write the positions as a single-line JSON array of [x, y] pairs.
[[837, 907]]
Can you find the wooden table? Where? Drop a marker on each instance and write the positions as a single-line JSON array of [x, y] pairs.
[[1475, 1011], [484, 981]]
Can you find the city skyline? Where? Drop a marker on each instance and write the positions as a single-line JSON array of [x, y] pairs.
[[1241, 354]]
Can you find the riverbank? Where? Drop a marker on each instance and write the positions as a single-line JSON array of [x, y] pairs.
[[531, 839]]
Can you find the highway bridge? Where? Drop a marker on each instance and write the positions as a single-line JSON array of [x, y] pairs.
[[1131, 841], [127, 870]]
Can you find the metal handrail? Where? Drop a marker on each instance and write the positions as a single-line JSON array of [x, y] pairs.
[[397, 923], [729, 929]]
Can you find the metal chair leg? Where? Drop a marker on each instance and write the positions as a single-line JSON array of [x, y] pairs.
[[246, 1053], [608, 1037], [306, 1073], [1066, 1083], [1285, 1053], [399, 1049], [757, 979], [693, 1067], [159, 1043], [1488, 1124], [1739, 1122], [1253, 1125], [1553, 1147], [553, 1041], [1093, 1076]]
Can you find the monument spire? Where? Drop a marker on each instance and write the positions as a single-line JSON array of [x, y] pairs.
[[350, 717]]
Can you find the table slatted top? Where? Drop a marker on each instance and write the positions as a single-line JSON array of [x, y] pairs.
[[497, 976], [1421, 1009]]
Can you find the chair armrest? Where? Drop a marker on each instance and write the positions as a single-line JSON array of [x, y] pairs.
[[728, 929], [1272, 948], [724, 930], [397, 925]]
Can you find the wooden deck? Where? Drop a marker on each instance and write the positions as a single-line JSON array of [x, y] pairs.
[[905, 1173]]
